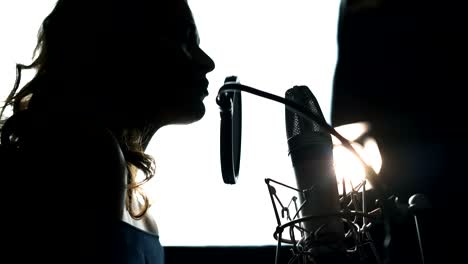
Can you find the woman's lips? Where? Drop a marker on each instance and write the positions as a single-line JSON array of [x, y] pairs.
[[203, 85]]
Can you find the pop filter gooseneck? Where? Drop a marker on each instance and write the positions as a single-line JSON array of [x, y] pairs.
[[230, 106]]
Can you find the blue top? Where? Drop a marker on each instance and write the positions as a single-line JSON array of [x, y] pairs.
[[120, 243], [135, 246]]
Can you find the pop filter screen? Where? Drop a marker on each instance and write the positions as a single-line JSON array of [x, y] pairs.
[[230, 105]]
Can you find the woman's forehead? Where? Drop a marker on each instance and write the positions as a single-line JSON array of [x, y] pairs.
[[155, 17], [171, 13], [169, 8]]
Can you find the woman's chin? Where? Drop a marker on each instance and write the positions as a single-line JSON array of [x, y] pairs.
[[190, 115], [197, 114]]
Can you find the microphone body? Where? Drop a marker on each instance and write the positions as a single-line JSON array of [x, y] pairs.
[[311, 151]]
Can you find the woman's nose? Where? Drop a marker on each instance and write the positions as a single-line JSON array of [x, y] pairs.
[[205, 61]]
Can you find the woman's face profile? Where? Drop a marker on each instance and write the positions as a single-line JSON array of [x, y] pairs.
[[173, 68]]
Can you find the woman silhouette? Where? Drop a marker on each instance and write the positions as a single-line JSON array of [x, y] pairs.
[[110, 73]]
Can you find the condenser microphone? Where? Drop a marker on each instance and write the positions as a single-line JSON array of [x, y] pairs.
[[311, 151]]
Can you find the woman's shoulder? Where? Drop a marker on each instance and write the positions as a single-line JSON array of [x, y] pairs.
[[83, 163]]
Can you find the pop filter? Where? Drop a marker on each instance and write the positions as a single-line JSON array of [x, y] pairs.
[[230, 106]]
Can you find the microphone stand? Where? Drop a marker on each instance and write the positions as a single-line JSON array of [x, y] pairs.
[[354, 215]]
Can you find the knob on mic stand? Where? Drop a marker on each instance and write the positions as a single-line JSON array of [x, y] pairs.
[[416, 204]]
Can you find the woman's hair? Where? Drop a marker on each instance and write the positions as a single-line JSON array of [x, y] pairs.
[[77, 39]]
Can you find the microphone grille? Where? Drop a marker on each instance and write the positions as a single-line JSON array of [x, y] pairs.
[[296, 124]]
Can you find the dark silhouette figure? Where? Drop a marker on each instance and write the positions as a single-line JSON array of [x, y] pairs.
[[110, 73], [401, 67]]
